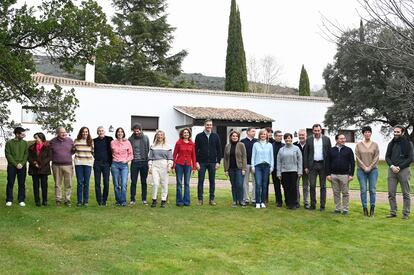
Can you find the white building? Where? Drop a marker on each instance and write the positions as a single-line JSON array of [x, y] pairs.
[[169, 109]]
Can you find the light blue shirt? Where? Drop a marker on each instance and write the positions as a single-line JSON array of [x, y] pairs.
[[262, 152]]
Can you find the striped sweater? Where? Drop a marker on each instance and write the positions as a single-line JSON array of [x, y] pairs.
[[160, 152], [83, 153]]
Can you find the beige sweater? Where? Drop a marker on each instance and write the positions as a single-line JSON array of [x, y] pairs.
[[367, 157]]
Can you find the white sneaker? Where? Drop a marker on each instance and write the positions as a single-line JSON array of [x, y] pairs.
[[257, 205], [132, 203], [22, 204], [262, 205], [9, 203]]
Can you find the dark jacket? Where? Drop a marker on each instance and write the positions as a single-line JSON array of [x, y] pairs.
[[394, 155], [340, 161], [208, 150], [102, 153], [43, 160], [276, 148], [302, 149], [241, 156], [309, 150], [249, 148]]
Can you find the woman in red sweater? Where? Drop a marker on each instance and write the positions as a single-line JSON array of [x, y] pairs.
[[184, 161]]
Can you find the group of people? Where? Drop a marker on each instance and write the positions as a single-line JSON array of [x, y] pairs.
[[245, 160]]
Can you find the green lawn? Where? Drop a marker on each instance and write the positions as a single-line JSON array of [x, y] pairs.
[[211, 240]]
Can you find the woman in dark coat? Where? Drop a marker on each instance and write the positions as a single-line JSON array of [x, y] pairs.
[[39, 159]]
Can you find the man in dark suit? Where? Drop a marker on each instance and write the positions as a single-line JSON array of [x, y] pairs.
[[316, 157], [208, 157], [305, 177]]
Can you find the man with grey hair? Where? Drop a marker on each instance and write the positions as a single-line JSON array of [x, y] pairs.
[[102, 164], [140, 146], [305, 177], [399, 156], [62, 149]]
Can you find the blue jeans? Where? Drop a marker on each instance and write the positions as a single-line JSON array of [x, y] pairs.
[[101, 168], [211, 168], [370, 179], [12, 173], [236, 180], [119, 172], [139, 167], [83, 174], [261, 175], [180, 171]]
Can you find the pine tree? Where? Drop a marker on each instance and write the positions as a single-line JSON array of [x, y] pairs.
[[140, 54], [304, 87], [236, 70]]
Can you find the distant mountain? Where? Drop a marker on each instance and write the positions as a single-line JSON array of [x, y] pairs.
[[45, 66]]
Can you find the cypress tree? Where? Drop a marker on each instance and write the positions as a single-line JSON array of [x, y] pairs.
[[236, 70], [304, 87]]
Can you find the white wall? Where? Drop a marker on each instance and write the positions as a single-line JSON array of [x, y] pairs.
[[114, 106]]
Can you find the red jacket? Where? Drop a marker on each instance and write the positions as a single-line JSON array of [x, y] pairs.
[[184, 152]]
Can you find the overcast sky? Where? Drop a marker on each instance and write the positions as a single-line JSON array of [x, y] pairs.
[[291, 31]]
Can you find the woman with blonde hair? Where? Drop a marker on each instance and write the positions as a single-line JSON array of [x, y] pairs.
[[160, 164], [262, 166]]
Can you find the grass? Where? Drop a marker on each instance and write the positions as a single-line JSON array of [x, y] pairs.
[[194, 240]]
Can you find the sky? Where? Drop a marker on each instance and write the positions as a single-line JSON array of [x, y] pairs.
[[291, 31]]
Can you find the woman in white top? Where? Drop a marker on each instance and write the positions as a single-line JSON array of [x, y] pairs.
[[160, 164]]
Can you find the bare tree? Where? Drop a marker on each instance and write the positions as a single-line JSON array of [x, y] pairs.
[[263, 74], [253, 74]]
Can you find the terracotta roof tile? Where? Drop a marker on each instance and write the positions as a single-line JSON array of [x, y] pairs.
[[221, 114]]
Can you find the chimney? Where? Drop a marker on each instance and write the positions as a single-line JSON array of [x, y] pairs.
[[90, 71]]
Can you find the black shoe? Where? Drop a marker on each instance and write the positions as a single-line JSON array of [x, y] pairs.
[[371, 211], [44, 203], [163, 204], [405, 217], [68, 204], [337, 211], [279, 205], [365, 212], [312, 207], [298, 205], [322, 209], [306, 206], [154, 203], [345, 213], [38, 204], [391, 215]]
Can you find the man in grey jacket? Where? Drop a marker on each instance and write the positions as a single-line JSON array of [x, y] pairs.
[[399, 156], [316, 157], [140, 145]]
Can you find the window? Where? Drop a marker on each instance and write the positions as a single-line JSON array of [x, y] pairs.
[[349, 134], [28, 115], [149, 123]]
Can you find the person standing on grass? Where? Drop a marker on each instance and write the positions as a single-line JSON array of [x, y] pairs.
[[262, 166], [316, 152], [39, 166], [340, 171], [367, 156], [305, 178], [16, 155], [277, 145], [160, 164], [184, 161], [208, 156], [289, 169], [139, 165], [121, 155], [399, 156], [248, 142], [83, 165], [62, 148], [235, 166], [102, 164]]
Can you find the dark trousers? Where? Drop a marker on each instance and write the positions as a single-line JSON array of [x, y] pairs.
[[289, 181], [317, 170], [39, 181], [278, 190], [101, 168], [236, 180], [139, 168], [211, 168], [12, 173]]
